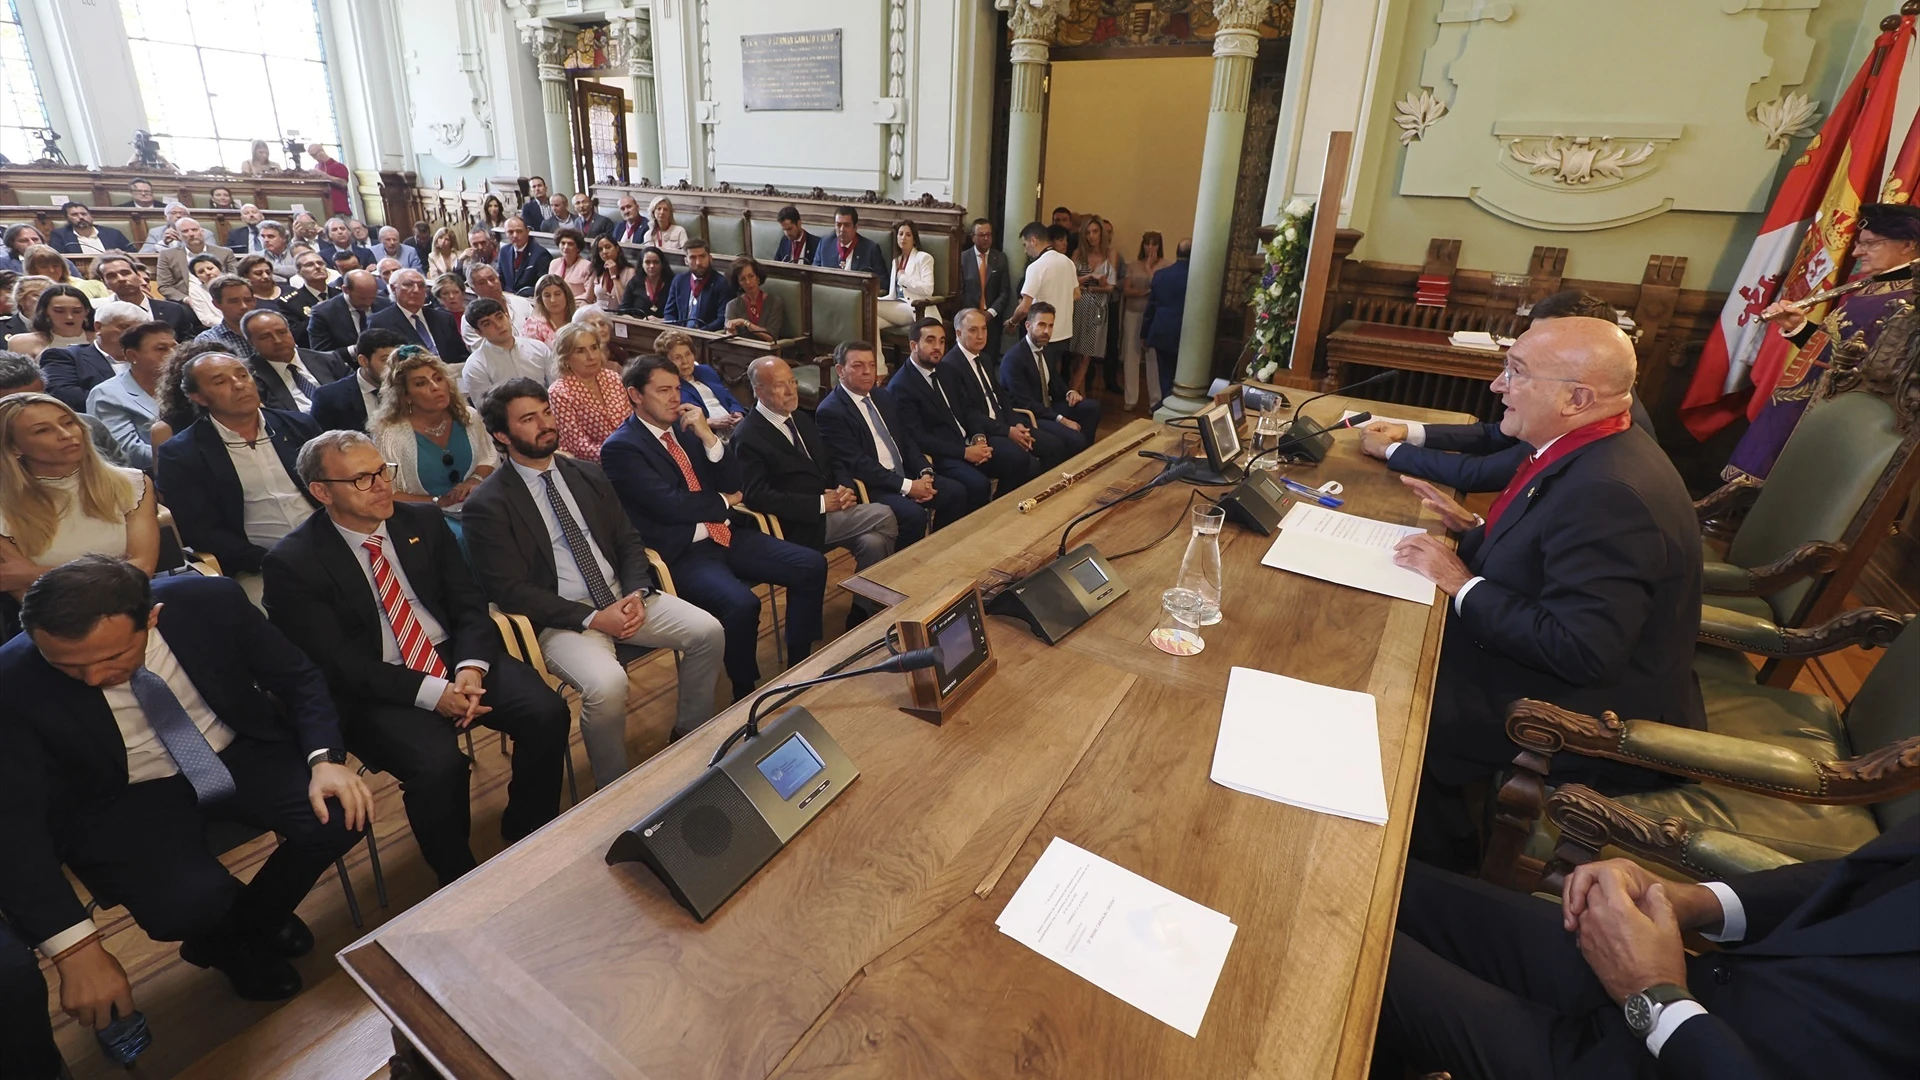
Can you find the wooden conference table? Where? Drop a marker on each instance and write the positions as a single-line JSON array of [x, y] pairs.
[[867, 949]]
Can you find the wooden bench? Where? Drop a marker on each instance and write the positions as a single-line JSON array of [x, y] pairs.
[[102, 189], [725, 353], [137, 223]]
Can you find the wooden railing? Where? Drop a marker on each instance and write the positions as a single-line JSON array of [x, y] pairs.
[[136, 223], [38, 185]]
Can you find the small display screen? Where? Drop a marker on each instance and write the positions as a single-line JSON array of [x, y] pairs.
[[1225, 435], [1088, 574], [955, 644], [790, 766]]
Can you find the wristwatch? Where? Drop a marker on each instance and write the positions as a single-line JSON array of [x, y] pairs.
[[1644, 1008], [337, 757]]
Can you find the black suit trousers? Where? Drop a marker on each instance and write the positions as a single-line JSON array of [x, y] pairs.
[[27, 1049], [421, 749], [147, 848], [714, 578]]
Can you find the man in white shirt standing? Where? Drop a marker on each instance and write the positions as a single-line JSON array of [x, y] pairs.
[[501, 354], [1051, 278]]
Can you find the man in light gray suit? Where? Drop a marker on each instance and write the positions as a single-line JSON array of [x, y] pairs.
[[173, 273], [984, 262]]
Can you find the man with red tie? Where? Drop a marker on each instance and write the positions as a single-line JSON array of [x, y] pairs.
[[679, 484], [378, 593], [633, 224], [1582, 585]]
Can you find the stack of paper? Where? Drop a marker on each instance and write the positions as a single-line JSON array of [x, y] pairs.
[[1146, 945], [1347, 550], [1478, 339], [1300, 743]]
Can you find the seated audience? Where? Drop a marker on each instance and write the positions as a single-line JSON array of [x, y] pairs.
[[20, 375], [501, 354], [550, 541], [450, 296], [244, 238], [522, 262], [74, 370], [277, 247], [790, 474], [127, 281], [259, 160], [410, 316], [172, 272], [10, 324], [632, 227], [391, 247], [25, 297], [140, 713], [290, 377], [846, 249], [868, 441], [560, 215], [444, 255], [376, 590], [221, 198], [346, 404], [201, 271], [310, 290], [493, 212], [590, 315], [59, 501], [425, 427], [229, 473], [62, 319], [797, 245], [26, 1031], [485, 283], [14, 244], [164, 236], [589, 403], [553, 305], [698, 298], [128, 403], [699, 384], [43, 261], [678, 481], [1814, 975], [1581, 586], [753, 312], [482, 250], [534, 210], [591, 224], [361, 235], [911, 280], [142, 192], [664, 234], [340, 241], [974, 389], [573, 264], [938, 422], [233, 298], [80, 236], [645, 296], [306, 229], [259, 275], [339, 320], [611, 273], [1031, 377]]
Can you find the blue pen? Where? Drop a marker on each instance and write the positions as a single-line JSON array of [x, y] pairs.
[[1315, 495]]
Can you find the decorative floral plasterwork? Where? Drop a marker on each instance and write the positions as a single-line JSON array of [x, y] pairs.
[[1579, 160], [1416, 114], [1785, 119]]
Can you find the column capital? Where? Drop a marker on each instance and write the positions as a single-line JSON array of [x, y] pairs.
[[631, 34], [547, 41], [1240, 15], [1032, 20]]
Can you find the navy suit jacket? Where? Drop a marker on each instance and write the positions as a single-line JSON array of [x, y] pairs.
[[936, 419], [654, 492], [1166, 307], [518, 272], [711, 380], [968, 394], [709, 313], [65, 241], [367, 256], [196, 474], [783, 480], [325, 367], [850, 442], [1020, 378], [71, 372], [442, 328], [330, 326], [638, 235], [809, 248], [338, 405], [1475, 457], [866, 256], [181, 318], [60, 750]]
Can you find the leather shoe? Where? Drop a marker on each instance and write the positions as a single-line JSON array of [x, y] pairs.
[[292, 941], [256, 974]]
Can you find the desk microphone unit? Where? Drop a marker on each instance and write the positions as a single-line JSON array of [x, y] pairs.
[[1054, 600], [1258, 503], [1220, 438], [957, 633]]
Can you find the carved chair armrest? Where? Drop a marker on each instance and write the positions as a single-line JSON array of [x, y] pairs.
[[1721, 510], [1807, 560], [1589, 822], [1867, 627]]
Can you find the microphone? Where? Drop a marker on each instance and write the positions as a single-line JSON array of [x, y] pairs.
[[1356, 420], [1368, 381], [911, 660], [1178, 469]]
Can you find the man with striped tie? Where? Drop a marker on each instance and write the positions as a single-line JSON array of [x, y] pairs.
[[377, 592]]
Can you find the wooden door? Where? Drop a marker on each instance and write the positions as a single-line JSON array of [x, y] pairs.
[[599, 134]]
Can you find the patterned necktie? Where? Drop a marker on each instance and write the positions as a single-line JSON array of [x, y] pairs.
[[416, 652], [302, 383], [886, 438], [190, 750], [793, 429], [420, 331], [721, 532], [589, 567]]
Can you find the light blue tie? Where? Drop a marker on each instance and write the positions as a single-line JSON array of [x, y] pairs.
[[879, 425], [185, 744]]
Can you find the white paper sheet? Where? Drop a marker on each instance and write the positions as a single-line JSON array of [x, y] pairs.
[[1303, 744], [1146, 945], [1478, 339], [1347, 414], [1347, 550]]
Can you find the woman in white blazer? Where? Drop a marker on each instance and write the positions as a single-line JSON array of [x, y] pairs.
[[912, 278]]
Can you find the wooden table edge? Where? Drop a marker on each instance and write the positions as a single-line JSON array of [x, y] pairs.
[[416, 1016]]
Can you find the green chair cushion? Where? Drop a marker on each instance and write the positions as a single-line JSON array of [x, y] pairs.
[[1802, 830], [1717, 665], [1755, 606], [1803, 723]]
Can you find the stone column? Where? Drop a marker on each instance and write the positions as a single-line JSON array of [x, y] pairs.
[[1234, 46], [1033, 23], [634, 30], [547, 40]]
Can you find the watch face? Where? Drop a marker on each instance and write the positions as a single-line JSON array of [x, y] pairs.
[[1639, 1013]]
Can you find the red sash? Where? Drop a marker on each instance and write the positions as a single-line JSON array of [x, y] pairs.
[[1564, 445]]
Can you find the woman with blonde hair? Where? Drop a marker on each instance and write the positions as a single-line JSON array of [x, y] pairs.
[[44, 261], [665, 235], [425, 427], [553, 308], [260, 161], [59, 500], [62, 319], [700, 384], [587, 399], [1101, 271], [444, 254], [1133, 351]]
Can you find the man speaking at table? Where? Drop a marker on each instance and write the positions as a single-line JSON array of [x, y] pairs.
[[1582, 585]]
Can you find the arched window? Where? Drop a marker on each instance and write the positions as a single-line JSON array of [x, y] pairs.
[[22, 109]]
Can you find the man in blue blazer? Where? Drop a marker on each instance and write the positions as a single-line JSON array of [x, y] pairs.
[[698, 298], [138, 712], [938, 420], [1166, 308], [846, 249], [413, 318], [871, 443], [345, 404], [66, 239], [521, 262], [1032, 382], [797, 245], [678, 483], [338, 322]]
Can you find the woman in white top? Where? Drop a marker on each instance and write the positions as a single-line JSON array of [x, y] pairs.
[[665, 235], [59, 501], [912, 278], [62, 319], [1133, 351]]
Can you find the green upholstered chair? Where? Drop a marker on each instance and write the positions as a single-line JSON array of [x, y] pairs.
[[1782, 769], [727, 233], [765, 232]]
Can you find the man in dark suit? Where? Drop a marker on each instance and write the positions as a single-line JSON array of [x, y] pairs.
[[986, 283], [26, 1031], [379, 594], [632, 226], [593, 223], [797, 245], [1030, 381], [139, 712], [127, 280], [938, 422], [289, 377], [339, 241], [244, 238], [678, 482], [549, 541], [410, 317], [80, 234], [1166, 309], [972, 379], [71, 371], [1818, 974], [345, 404], [229, 477], [846, 249], [309, 292], [522, 262], [1582, 585], [534, 210], [698, 298], [869, 442], [338, 322]]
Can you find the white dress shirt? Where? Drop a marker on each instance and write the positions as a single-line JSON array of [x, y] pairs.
[[985, 378], [369, 395], [431, 686], [489, 365], [90, 244], [285, 371], [1733, 927], [780, 425], [714, 453], [571, 585], [708, 400], [273, 503], [887, 460], [519, 308]]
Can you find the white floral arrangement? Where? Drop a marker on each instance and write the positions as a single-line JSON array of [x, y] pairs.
[[1276, 299]]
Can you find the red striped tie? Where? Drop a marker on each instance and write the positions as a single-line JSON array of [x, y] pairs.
[[722, 533], [416, 652]]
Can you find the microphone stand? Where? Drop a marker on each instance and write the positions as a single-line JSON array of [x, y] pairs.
[[1287, 437], [912, 660]]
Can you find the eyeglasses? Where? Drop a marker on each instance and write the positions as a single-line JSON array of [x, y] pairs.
[[364, 481], [1511, 375]]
